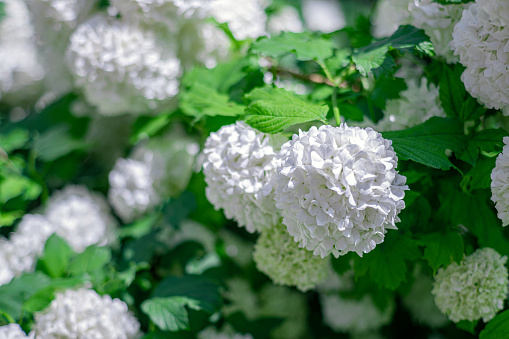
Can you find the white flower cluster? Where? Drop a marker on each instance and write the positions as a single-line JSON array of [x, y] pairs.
[[420, 303], [323, 15], [388, 16], [481, 39], [500, 184], [212, 333], [356, 316], [85, 314], [14, 331], [338, 189], [416, 104], [287, 19], [238, 164], [155, 170], [122, 68], [278, 256], [20, 71], [80, 217], [474, 289]]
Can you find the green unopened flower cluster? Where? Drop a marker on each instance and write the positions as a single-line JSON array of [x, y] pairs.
[[474, 289]]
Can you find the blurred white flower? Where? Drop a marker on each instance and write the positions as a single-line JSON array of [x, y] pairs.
[[338, 189], [278, 256], [213, 333], [438, 22], [388, 16], [498, 10], [420, 303], [14, 331], [121, 67], [20, 71], [131, 190], [356, 316], [85, 314], [323, 15], [238, 164], [500, 184], [482, 43], [81, 217], [416, 104], [474, 289], [287, 19], [245, 18]]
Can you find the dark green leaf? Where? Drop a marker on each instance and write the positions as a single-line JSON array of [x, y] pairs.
[[56, 143], [145, 127], [169, 314], [468, 326], [197, 288], [91, 259], [387, 89], [56, 257], [442, 248], [272, 110], [479, 176], [497, 328], [40, 300], [470, 153], [200, 100], [305, 46], [426, 143], [490, 140], [350, 112]]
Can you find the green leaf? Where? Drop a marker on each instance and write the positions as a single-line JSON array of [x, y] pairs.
[[387, 89], [43, 297], [14, 140], [145, 127], [55, 143], [200, 100], [442, 248], [13, 294], [272, 110], [91, 259], [56, 257], [479, 176], [386, 263], [8, 218], [221, 78], [351, 112], [375, 58], [13, 185], [497, 328], [194, 287], [490, 140], [305, 46], [426, 143], [169, 314], [470, 153], [468, 326]]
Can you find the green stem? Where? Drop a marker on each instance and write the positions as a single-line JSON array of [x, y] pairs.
[[327, 73], [335, 107], [32, 171]]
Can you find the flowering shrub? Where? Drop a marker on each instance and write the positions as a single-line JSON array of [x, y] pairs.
[[254, 169]]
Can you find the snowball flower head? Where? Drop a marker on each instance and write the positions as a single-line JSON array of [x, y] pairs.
[[497, 10], [473, 289], [121, 67], [388, 16], [416, 104], [19, 253], [338, 189], [323, 15], [500, 184], [131, 189], [278, 256], [356, 316], [81, 217], [482, 43], [238, 164], [13, 331], [228, 333], [287, 19], [86, 314]]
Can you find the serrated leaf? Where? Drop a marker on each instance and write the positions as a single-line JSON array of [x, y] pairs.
[[201, 100], [407, 39], [194, 287], [169, 314], [497, 328], [426, 143], [442, 248], [91, 259], [56, 256], [304, 45], [272, 110]]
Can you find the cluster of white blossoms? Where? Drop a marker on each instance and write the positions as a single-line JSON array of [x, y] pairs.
[[278, 256], [14, 331], [238, 164], [122, 68], [85, 314], [80, 217], [323, 15], [500, 184], [338, 189], [355, 316], [388, 16], [420, 303], [481, 40], [213, 333], [158, 169], [476, 288], [20, 71], [416, 104], [287, 19]]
